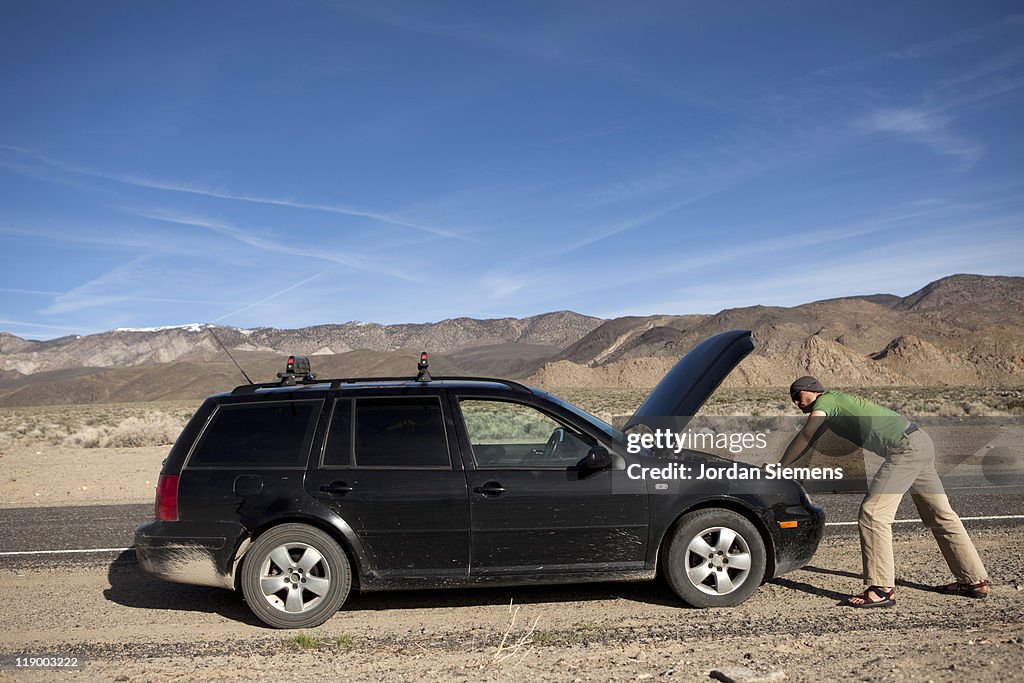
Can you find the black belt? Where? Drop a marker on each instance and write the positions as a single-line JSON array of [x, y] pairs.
[[911, 428]]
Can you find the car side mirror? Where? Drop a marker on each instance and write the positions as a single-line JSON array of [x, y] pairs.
[[597, 459]]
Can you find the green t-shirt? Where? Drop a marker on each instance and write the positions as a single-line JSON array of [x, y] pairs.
[[860, 421]]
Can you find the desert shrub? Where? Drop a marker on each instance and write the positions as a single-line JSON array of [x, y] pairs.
[[95, 426], [88, 437], [768, 402], [153, 429], [156, 429]]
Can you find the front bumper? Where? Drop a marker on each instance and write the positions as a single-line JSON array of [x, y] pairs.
[[198, 553], [795, 545]]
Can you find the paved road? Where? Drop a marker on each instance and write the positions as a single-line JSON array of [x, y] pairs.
[[109, 528], [77, 527]]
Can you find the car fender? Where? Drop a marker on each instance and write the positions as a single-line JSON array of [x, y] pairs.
[[322, 517], [728, 502]]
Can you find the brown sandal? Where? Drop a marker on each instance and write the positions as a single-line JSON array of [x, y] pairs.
[[886, 598], [978, 591]]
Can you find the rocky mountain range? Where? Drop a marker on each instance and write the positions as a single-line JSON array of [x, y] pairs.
[[963, 329], [134, 347]]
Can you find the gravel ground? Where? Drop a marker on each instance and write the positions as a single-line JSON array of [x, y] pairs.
[[129, 627]]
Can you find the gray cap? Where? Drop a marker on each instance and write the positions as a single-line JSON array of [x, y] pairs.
[[806, 383]]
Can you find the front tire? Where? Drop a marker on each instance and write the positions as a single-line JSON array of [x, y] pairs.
[[715, 558], [295, 576]]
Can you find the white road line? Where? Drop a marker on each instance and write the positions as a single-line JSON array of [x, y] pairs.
[[910, 521], [977, 488], [63, 552], [121, 550]]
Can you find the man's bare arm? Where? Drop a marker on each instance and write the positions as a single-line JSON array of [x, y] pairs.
[[802, 441]]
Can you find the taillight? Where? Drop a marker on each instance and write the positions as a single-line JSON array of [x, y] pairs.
[[167, 498]]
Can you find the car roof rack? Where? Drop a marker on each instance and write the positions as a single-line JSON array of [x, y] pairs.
[[338, 382], [298, 374]]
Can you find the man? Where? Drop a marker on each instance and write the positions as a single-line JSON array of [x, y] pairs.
[[909, 465]]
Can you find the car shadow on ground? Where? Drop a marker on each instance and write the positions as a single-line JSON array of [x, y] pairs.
[[132, 587], [648, 592]]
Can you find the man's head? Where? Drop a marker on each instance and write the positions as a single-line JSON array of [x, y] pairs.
[[805, 391]]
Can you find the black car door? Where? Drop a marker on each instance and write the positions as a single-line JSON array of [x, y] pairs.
[[386, 469], [532, 511]]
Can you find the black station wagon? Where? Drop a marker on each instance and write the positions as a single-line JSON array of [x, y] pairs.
[[300, 491]]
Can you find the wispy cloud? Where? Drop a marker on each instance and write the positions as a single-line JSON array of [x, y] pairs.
[[271, 297], [599, 233], [562, 44], [197, 189], [502, 284], [1008, 60], [915, 51], [122, 280], [975, 34], [107, 238], [898, 225], [537, 45], [630, 271], [103, 298], [924, 127], [20, 325], [880, 269], [352, 260]]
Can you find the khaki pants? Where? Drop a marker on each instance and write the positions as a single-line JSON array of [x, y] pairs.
[[911, 466]]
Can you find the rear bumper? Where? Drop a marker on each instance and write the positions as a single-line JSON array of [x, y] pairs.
[[795, 546], [198, 553]]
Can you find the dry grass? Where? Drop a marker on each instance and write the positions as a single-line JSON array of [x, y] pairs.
[[124, 425], [115, 425], [615, 405], [515, 649]]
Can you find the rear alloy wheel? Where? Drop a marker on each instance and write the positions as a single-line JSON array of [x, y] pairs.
[[295, 576], [715, 558]]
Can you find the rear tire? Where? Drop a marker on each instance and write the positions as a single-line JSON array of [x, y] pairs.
[[714, 558], [295, 576]]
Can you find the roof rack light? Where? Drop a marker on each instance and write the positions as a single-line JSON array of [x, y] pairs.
[[297, 369], [423, 374]]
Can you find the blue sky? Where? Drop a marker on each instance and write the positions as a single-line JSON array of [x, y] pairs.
[[295, 163]]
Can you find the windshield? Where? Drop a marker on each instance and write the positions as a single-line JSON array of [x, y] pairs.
[[612, 433]]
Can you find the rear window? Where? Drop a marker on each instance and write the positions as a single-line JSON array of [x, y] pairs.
[[271, 434], [400, 432]]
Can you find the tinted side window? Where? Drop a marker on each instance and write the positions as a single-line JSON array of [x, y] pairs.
[[271, 434], [400, 432]]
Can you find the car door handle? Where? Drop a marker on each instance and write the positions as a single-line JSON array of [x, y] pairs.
[[336, 487], [491, 488]]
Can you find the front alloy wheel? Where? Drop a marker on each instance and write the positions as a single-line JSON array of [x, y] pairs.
[[295, 576], [717, 561], [715, 558]]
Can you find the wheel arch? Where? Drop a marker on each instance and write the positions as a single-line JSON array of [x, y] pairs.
[[733, 505], [338, 529]]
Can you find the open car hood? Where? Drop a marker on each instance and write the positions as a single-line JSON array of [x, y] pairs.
[[685, 388]]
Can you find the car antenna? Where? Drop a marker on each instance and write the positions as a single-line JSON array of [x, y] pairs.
[[210, 330]]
